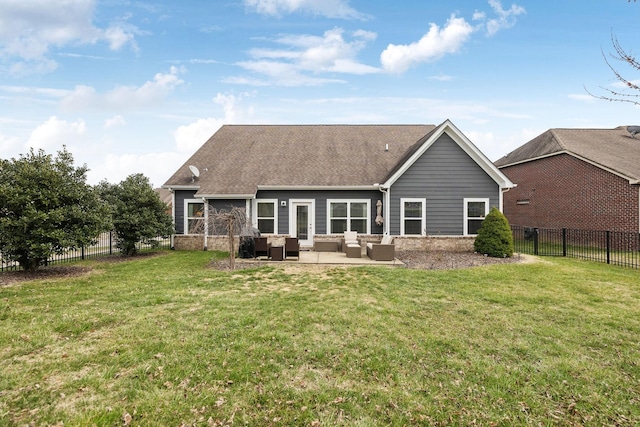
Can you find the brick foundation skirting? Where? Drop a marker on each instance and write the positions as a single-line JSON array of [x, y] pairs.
[[404, 243]]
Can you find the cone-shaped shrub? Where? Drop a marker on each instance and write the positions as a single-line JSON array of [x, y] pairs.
[[494, 236]]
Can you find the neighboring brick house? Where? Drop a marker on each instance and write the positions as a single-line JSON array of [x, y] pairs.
[[575, 178]]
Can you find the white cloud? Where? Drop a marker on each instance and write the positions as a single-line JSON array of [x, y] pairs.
[[327, 8], [304, 56], [29, 29], [117, 37], [54, 133], [449, 39], [433, 45], [114, 121], [505, 18], [191, 137], [125, 97]]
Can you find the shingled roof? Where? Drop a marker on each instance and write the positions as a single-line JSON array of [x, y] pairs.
[[611, 149], [238, 159]]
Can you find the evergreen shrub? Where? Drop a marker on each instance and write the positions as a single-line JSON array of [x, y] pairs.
[[494, 236]]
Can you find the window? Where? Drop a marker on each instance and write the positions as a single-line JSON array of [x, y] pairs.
[[266, 216], [193, 217], [413, 213], [352, 215], [474, 212]]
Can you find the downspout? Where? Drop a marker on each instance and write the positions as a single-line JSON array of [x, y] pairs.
[[385, 205], [501, 201], [173, 216], [206, 223]]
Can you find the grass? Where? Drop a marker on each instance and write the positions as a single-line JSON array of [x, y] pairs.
[[167, 341]]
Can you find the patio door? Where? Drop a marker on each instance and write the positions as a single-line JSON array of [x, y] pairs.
[[301, 221]]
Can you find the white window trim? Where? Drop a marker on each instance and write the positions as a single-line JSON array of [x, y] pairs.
[[348, 202], [186, 202], [254, 219], [465, 210], [423, 229]]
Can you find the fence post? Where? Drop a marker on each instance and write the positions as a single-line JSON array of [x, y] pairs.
[[564, 242], [110, 243], [535, 241], [608, 247]]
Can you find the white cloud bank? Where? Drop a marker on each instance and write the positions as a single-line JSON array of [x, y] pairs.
[[305, 55], [29, 29], [54, 133], [303, 58]]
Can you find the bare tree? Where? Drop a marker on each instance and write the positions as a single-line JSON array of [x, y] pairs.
[[229, 222], [630, 59]]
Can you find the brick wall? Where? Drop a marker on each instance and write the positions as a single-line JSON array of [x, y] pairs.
[[406, 243], [193, 242], [565, 192]]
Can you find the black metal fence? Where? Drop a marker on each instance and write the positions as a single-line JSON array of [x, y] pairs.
[[105, 245], [612, 247]]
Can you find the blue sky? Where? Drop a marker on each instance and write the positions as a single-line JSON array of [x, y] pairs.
[[135, 86]]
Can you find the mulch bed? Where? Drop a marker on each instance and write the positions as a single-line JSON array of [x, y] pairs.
[[418, 260], [441, 260]]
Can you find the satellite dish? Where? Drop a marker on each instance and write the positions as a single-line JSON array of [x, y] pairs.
[[194, 172], [633, 130]]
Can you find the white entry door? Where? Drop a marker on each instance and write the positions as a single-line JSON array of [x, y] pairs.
[[301, 220]]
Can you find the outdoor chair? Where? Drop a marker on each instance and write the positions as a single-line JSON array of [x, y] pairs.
[[261, 247], [350, 238], [383, 251], [291, 247]]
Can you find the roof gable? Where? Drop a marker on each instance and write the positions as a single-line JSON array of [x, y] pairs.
[[614, 150], [463, 142]]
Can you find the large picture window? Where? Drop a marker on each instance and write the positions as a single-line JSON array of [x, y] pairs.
[[475, 210], [413, 214], [348, 215], [193, 217], [266, 216]]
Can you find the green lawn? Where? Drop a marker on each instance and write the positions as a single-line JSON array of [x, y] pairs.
[[168, 341]]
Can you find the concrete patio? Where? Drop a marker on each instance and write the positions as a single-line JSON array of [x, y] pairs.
[[328, 258]]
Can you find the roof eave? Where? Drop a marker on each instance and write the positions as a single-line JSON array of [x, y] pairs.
[[180, 187], [632, 180], [226, 196], [318, 187]]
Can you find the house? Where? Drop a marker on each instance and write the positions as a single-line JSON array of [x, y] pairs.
[[314, 182], [575, 178]]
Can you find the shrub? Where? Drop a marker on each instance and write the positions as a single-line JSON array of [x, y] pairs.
[[494, 236]]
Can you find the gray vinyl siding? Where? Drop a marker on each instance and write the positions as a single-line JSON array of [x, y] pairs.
[[182, 195], [320, 198], [178, 208], [445, 175]]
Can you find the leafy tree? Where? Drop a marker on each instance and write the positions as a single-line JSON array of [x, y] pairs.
[[46, 208], [137, 212], [494, 236]]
